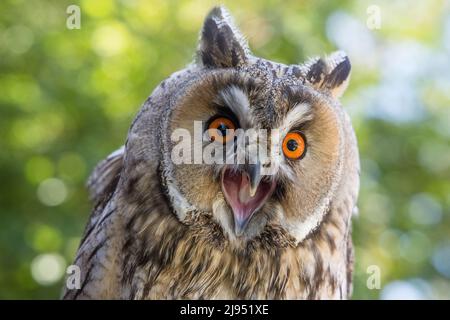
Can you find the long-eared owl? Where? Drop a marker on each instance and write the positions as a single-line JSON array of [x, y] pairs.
[[191, 207]]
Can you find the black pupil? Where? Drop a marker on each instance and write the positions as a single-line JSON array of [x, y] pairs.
[[223, 129], [292, 145]]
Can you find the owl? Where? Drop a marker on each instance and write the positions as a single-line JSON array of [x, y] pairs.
[[269, 225]]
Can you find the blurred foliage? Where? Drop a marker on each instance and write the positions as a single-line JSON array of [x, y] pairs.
[[67, 98]]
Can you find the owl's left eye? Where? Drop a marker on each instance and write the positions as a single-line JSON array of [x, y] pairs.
[[294, 145], [221, 129]]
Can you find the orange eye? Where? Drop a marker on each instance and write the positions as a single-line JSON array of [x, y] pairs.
[[221, 129], [294, 145]]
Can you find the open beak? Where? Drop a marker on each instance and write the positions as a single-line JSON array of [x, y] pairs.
[[246, 193]]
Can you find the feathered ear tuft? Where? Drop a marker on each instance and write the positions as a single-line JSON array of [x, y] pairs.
[[221, 45], [329, 74]]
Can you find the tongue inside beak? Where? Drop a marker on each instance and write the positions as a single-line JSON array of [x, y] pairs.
[[246, 193]]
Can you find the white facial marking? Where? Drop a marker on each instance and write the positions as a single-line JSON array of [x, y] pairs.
[[237, 101]]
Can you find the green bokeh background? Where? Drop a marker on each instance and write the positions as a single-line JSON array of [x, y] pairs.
[[67, 98]]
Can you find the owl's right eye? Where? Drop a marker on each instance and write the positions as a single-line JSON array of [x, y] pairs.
[[221, 129]]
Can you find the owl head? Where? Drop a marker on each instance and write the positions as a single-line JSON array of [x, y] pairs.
[[213, 115]]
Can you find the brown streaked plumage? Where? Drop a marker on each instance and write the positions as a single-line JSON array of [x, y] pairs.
[[161, 230]]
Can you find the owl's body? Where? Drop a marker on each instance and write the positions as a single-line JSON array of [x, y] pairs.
[[161, 230]]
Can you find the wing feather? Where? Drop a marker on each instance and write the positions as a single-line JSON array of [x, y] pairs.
[[97, 243]]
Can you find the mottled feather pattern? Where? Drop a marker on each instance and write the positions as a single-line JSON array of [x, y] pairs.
[[165, 231], [205, 265]]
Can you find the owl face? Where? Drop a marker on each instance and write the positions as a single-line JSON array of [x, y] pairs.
[[262, 142]]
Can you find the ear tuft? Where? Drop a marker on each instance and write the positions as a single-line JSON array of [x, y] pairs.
[[330, 74], [221, 44]]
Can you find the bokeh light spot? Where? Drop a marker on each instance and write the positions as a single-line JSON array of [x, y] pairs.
[[441, 260], [72, 166], [38, 168], [52, 192], [44, 238], [18, 39], [425, 210], [98, 8], [403, 290], [48, 268], [110, 40]]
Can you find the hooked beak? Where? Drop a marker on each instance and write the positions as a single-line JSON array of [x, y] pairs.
[[246, 193]]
